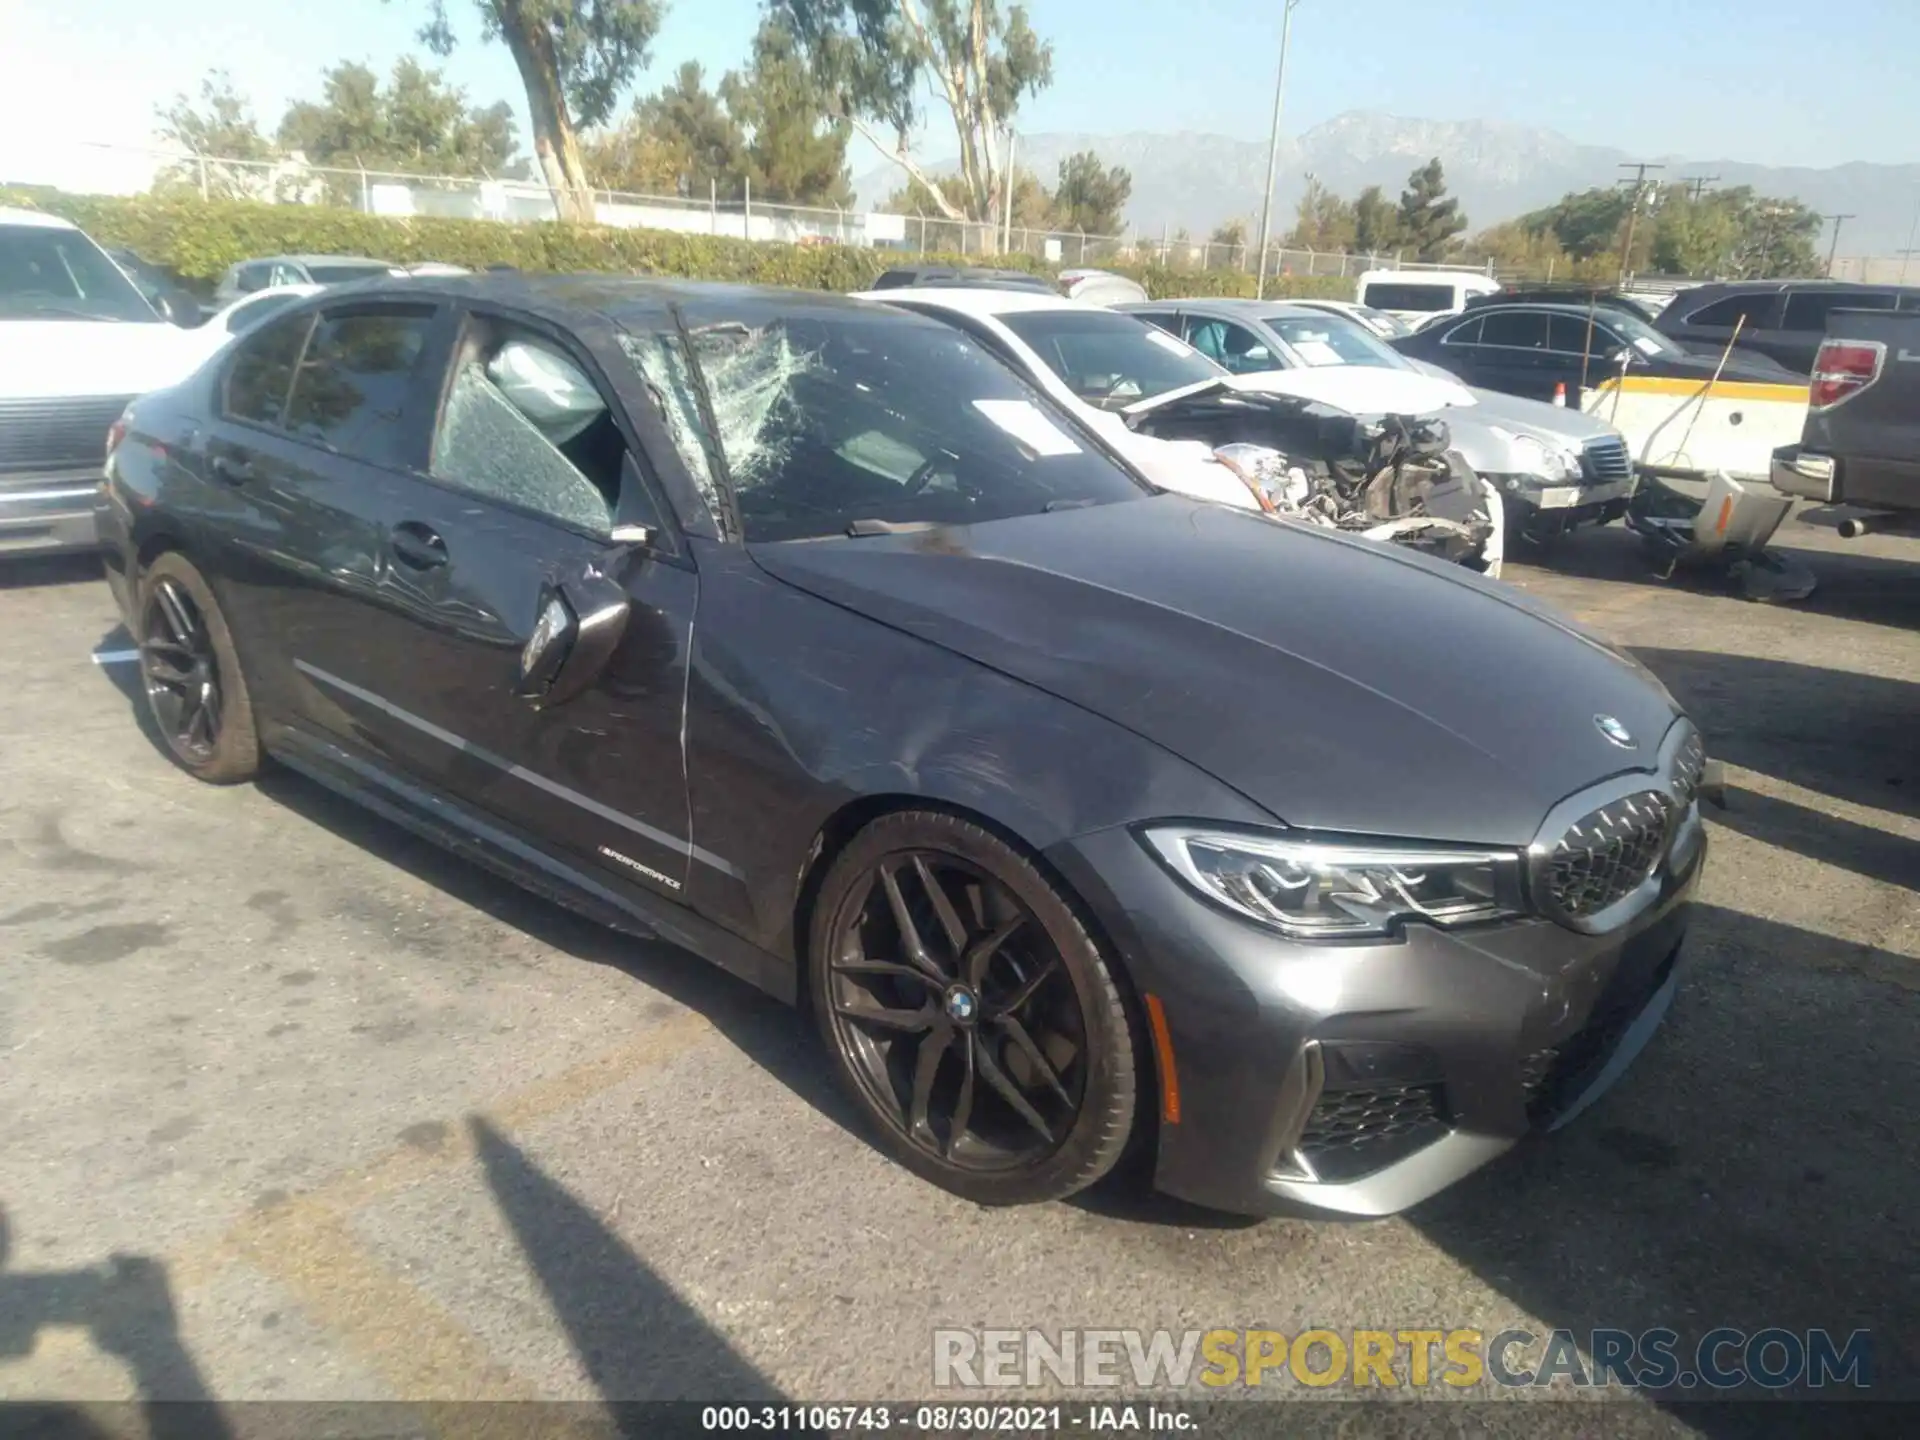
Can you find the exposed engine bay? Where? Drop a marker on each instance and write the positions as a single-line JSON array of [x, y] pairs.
[[1386, 477]]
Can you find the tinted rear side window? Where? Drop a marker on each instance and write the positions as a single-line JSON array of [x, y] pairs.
[[1808, 309], [1515, 329], [1756, 310], [261, 373], [353, 382]]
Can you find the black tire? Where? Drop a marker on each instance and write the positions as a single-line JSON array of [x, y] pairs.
[[1040, 1013], [190, 672]]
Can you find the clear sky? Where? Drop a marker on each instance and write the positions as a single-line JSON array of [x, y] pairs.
[[1782, 82]]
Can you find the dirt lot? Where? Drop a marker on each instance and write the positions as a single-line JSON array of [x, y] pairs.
[[359, 1122]]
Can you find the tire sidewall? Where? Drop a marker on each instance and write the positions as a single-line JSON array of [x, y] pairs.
[[236, 753], [1106, 1114]]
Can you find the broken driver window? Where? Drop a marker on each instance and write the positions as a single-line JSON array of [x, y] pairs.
[[523, 424]]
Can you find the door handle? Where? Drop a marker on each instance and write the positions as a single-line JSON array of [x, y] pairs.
[[417, 546], [229, 465]]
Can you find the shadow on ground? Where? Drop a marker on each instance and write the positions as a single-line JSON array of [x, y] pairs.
[[1755, 1170], [125, 1306], [1837, 732], [1853, 585]]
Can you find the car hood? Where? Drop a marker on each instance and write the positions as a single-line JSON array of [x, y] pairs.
[[1342, 685], [47, 359], [1564, 423], [1358, 389]]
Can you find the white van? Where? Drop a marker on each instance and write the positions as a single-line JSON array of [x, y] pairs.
[[1418, 295]]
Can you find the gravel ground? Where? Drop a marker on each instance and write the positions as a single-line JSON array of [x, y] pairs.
[[293, 1107]]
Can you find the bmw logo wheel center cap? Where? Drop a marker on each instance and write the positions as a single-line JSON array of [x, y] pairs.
[[961, 1005]]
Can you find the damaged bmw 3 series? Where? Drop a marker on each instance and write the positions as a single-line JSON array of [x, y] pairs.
[[805, 634]]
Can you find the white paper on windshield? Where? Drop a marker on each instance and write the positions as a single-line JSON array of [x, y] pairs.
[[1167, 342], [1646, 346], [1023, 421], [1317, 352]]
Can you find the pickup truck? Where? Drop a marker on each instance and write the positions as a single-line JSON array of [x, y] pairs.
[[1861, 444]]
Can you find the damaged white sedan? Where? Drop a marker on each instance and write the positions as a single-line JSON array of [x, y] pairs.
[[1255, 440]]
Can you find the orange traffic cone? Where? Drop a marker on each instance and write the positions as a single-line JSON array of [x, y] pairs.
[[1560, 394]]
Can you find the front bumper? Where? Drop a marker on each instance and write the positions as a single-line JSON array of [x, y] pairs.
[[1361, 1078], [1537, 507], [50, 513]]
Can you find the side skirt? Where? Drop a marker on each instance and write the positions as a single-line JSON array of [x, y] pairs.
[[486, 842]]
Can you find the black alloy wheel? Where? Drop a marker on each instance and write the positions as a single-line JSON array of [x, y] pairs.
[[181, 671], [194, 686], [970, 1013]]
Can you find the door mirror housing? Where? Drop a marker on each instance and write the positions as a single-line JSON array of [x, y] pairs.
[[577, 628]]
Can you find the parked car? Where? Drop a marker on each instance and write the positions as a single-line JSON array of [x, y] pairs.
[[1100, 287], [905, 277], [162, 291], [1153, 399], [77, 341], [805, 633], [251, 275], [1568, 295], [1684, 414], [1785, 320], [245, 313], [1417, 295], [1387, 327], [1535, 350], [1861, 444], [1557, 469]]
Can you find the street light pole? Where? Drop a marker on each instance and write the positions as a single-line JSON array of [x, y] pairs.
[[1273, 148]]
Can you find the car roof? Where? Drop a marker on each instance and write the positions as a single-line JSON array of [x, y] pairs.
[[1549, 306], [39, 219], [625, 298], [980, 299], [1234, 305], [366, 260]]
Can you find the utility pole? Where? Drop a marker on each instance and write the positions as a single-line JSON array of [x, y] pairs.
[[1273, 147], [1697, 186], [1007, 247], [1639, 184], [1913, 235], [1834, 248]]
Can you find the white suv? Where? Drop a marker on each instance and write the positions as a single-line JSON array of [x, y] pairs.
[[77, 342]]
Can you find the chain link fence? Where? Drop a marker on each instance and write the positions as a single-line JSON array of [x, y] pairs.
[[90, 166]]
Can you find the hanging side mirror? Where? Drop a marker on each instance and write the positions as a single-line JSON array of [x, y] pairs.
[[577, 628]]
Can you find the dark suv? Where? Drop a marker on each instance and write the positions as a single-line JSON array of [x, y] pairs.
[[1783, 319]]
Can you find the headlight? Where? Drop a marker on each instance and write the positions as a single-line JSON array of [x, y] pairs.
[[1276, 482], [1542, 459], [1310, 890]]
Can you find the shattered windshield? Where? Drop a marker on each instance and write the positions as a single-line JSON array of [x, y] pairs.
[[847, 423]]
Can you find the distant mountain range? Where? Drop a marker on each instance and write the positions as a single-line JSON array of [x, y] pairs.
[[1497, 170]]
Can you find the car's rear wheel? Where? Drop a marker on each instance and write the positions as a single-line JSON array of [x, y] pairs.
[[969, 1012], [191, 674]]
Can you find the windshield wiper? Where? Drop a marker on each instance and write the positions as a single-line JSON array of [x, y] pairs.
[[862, 528], [1054, 505]]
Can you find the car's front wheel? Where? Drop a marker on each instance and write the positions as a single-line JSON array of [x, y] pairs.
[[191, 674], [969, 1012]]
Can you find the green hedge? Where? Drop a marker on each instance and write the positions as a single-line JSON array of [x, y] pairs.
[[197, 240]]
